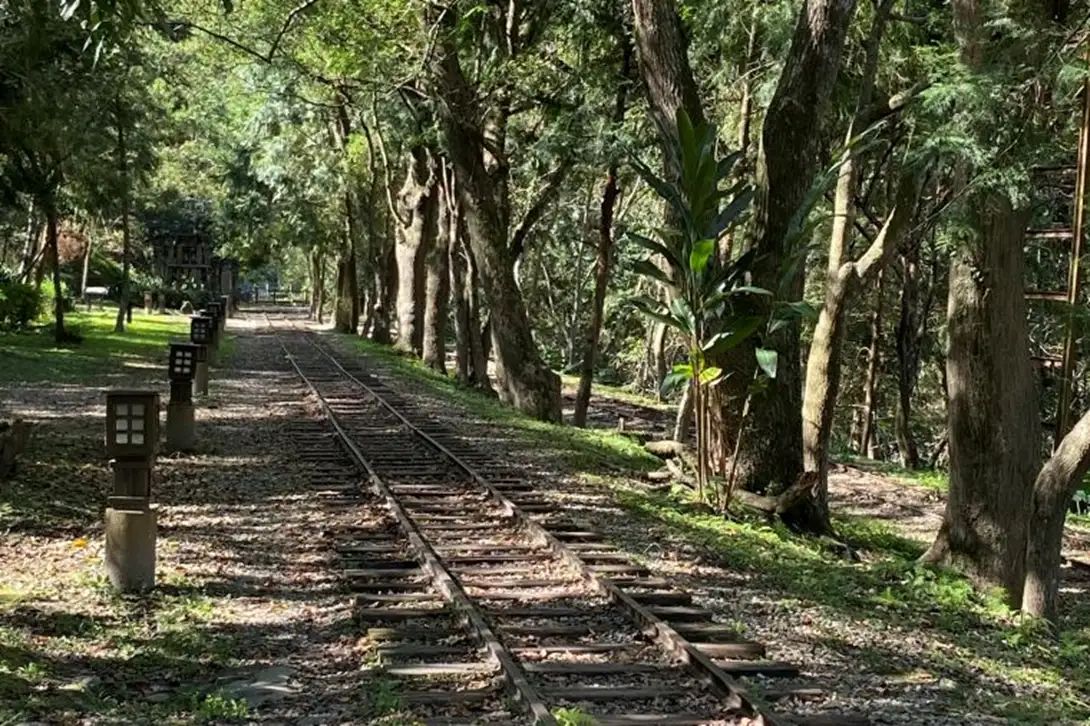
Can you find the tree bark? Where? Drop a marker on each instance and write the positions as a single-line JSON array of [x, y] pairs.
[[823, 364], [603, 262], [788, 161], [993, 419], [346, 315], [317, 285], [437, 285], [1056, 484], [417, 211], [525, 382]]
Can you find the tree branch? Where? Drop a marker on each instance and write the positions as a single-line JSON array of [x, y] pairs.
[[553, 182]]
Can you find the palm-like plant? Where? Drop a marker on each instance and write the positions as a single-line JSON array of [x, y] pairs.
[[708, 303]]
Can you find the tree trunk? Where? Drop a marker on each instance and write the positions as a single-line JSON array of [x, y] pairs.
[[479, 333], [463, 353], [788, 161], [684, 418], [346, 315], [51, 222], [823, 364], [603, 261], [123, 169], [437, 285], [30, 245], [86, 267], [993, 417], [1056, 484], [870, 379], [908, 345], [524, 380], [317, 285], [417, 208]]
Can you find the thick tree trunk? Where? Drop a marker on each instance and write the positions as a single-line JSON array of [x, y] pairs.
[[437, 287], [480, 337], [346, 314], [417, 208], [788, 160], [993, 416], [1056, 484], [524, 380]]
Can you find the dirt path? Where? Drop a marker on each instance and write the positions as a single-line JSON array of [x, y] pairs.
[[247, 619]]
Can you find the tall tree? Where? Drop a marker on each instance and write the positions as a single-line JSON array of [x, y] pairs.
[[524, 380], [769, 451]]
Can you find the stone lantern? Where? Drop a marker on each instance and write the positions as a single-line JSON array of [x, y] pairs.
[[181, 369], [132, 441], [201, 335], [225, 306]]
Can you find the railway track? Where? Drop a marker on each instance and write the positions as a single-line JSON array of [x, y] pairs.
[[486, 603]]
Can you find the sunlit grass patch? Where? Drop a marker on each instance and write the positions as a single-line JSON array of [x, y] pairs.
[[34, 356]]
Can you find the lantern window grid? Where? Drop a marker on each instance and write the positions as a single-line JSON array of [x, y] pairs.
[[129, 424], [182, 361]]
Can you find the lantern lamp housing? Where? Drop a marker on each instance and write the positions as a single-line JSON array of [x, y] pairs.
[[182, 364], [132, 423], [200, 330]]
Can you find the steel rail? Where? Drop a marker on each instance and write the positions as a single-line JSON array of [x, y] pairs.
[[443, 580], [738, 697]]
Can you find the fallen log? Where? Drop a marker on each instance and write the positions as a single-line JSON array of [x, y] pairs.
[[14, 436]]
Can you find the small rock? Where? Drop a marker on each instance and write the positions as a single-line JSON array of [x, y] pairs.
[[268, 684]]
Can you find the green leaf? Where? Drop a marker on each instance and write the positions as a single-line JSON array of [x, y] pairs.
[[728, 339], [656, 247], [732, 213], [701, 254], [709, 375], [677, 376], [646, 268], [768, 359], [681, 311]]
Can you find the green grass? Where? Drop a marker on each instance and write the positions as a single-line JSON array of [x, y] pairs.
[[34, 357], [581, 449], [929, 478]]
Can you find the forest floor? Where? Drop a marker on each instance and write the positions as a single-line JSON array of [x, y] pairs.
[[247, 623]]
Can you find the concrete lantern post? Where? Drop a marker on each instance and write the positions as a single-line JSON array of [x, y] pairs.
[[182, 367], [201, 335], [132, 440]]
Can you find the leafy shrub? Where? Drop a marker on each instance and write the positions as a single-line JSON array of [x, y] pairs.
[[20, 304], [49, 296]]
